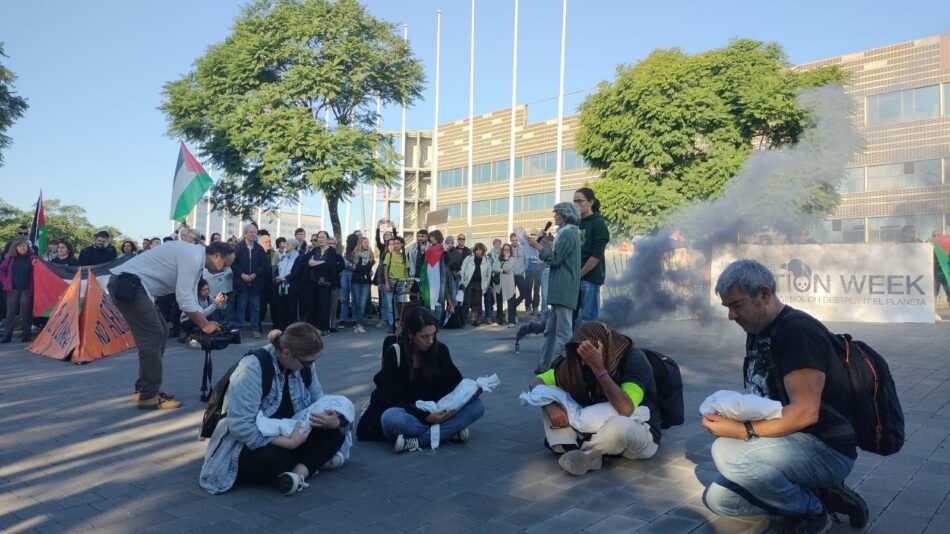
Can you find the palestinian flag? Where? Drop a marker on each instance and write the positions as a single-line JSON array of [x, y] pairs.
[[191, 183], [941, 250], [38, 231], [430, 279]]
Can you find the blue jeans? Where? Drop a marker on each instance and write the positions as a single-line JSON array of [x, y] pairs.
[[773, 476], [246, 298], [385, 305], [346, 306], [359, 293], [545, 278], [557, 332], [396, 421], [489, 305], [588, 304]]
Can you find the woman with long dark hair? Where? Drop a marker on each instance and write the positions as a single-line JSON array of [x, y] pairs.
[[476, 279], [505, 288], [362, 259], [16, 277], [594, 239], [64, 254], [416, 367], [322, 260], [347, 313]]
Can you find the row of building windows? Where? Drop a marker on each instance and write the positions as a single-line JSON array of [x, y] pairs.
[[895, 176], [907, 105], [498, 171], [499, 206], [879, 229]]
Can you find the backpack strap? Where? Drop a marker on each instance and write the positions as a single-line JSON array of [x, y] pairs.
[[398, 354], [267, 370]]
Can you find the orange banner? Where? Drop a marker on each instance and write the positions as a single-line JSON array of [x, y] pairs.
[[60, 336], [103, 329]]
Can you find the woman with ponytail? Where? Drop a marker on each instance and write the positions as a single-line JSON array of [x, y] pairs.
[[239, 452], [594, 239]]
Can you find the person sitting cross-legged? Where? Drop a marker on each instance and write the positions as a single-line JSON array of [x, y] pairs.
[[601, 366]]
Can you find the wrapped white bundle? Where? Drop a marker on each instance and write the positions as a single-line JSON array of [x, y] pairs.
[[588, 419], [741, 407], [461, 394], [285, 427]]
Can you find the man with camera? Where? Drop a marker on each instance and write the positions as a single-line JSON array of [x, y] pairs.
[[173, 268]]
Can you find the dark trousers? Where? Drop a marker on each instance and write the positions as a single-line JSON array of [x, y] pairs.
[[522, 296], [264, 464], [320, 307], [532, 290], [268, 302], [150, 332], [168, 307], [285, 313], [19, 301]]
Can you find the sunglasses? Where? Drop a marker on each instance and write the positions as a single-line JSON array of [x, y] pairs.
[[23, 233], [314, 240], [460, 239]]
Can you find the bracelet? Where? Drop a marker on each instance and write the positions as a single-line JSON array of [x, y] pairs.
[[600, 374]]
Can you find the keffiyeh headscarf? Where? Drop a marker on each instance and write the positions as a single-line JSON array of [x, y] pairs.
[[569, 376]]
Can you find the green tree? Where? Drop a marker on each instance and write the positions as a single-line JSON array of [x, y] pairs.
[[12, 106], [254, 104], [63, 221], [675, 128]]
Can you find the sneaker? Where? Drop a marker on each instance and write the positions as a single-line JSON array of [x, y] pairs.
[[136, 395], [381, 324], [511, 325], [579, 462], [803, 524], [158, 402], [256, 334], [841, 499], [359, 329], [289, 483], [194, 344], [334, 463], [461, 436], [404, 444]]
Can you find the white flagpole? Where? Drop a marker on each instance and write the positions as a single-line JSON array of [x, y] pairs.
[[560, 109], [194, 216], [323, 198], [471, 115], [375, 188], [299, 209], [346, 225], [280, 209], [514, 94], [208, 218], [259, 213], [402, 166], [434, 176]]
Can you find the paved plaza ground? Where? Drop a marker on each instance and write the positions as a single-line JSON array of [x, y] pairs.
[[76, 455]]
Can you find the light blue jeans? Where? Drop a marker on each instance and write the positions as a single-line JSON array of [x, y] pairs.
[[397, 421], [246, 298], [773, 476], [557, 332], [588, 308], [346, 305], [359, 293], [545, 278], [385, 305]]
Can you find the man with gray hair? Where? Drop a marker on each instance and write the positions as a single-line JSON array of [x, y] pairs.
[[562, 252], [793, 466]]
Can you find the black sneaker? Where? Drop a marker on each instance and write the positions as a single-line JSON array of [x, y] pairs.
[[801, 524], [841, 499]]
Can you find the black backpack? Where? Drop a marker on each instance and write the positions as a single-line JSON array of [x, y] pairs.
[[213, 411], [669, 388]]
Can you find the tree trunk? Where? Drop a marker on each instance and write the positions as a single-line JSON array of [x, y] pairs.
[[332, 208]]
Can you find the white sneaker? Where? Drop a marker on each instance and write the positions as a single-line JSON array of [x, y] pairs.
[[511, 325], [289, 483], [404, 444], [359, 329], [578, 462], [381, 324], [461, 436], [334, 463]]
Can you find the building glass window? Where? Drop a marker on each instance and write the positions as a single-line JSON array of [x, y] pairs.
[[499, 171], [888, 229], [901, 106], [518, 204], [852, 181], [499, 206], [573, 160], [519, 164], [481, 208], [452, 178], [898, 175], [946, 99], [481, 173]]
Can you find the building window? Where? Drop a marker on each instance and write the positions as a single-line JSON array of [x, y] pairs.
[[888, 229], [901, 106], [898, 175], [499, 206], [499, 170], [481, 208], [452, 178], [519, 164], [852, 181], [946, 99], [573, 161], [481, 173]]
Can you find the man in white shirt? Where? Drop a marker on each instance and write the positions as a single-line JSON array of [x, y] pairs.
[[173, 268]]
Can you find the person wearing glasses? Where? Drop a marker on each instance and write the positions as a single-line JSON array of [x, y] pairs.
[[286, 462], [22, 232], [594, 239]]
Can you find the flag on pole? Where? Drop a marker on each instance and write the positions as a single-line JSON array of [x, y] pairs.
[[38, 232], [191, 183], [941, 248]]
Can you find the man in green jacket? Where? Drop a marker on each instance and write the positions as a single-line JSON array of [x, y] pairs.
[[594, 238], [562, 252]]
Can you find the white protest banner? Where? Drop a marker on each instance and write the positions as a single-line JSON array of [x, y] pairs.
[[874, 282]]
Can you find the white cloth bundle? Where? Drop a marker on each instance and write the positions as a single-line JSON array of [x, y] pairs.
[[586, 419], [741, 407], [455, 400], [285, 427]]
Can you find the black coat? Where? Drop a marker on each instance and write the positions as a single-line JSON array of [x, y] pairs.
[[256, 262], [94, 256], [299, 276], [329, 270]]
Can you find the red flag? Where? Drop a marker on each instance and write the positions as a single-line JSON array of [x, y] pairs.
[[47, 288]]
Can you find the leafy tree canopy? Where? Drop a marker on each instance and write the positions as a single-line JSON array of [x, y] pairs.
[[254, 104], [675, 128], [63, 221], [12, 106]]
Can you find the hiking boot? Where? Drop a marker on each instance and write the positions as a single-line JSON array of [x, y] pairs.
[[334, 463], [579, 462], [158, 402], [841, 499], [404, 444], [461, 436], [289, 483], [802, 524], [136, 396]]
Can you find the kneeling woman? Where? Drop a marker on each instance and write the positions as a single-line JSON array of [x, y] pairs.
[[238, 452], [416, 367]]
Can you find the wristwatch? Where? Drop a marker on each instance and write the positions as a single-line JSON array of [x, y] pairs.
[[749, 431]]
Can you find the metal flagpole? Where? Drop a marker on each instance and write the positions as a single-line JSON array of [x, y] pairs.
[[402, 167], [471, 114], [280, 209], [511, 161], [194, 216], [323, 198], [560, 109], [299, 209], [434, 176], [258, 217], [208, 217], [379, 104]]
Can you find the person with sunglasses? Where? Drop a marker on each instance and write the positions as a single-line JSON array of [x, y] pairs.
[[286, 462], [22, 232]]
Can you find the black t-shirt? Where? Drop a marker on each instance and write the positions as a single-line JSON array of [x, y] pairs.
[[796, 340]]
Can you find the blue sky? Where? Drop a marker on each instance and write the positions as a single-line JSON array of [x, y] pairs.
[[93, 72]]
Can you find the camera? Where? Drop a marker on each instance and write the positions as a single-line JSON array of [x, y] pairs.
[[227, 335]]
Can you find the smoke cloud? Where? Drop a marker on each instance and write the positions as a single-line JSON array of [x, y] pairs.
[[768, 191]]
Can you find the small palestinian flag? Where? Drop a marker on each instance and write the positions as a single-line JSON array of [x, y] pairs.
[[38, 233], [191, 183], [941, 248]]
